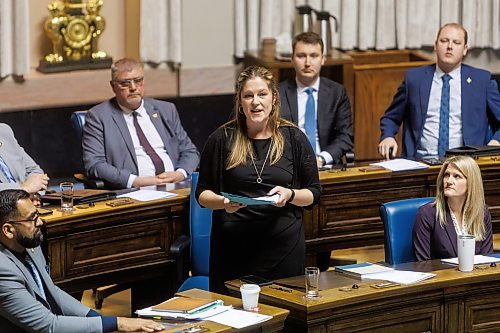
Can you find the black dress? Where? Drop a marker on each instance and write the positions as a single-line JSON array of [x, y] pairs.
[[264, 240]]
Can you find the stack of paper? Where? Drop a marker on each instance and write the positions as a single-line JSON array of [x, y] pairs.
[[362, 270], [401, 164], [401, 277], [147, 195], [184, 308], [478, 260]]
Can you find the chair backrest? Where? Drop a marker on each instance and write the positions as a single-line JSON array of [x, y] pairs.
[[398, 218], [200, 223], [77, 123]]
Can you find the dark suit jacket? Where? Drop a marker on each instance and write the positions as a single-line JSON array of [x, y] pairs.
[[23, 309], [20, 164], [480, 104], [334, 117], [431, 241], [108, 151]]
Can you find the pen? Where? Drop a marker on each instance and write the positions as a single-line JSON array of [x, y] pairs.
[[288, 290]]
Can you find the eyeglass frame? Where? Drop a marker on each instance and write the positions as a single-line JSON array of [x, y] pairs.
[[33, 220], [124, 84]]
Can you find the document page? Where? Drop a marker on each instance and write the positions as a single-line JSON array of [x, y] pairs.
[[478, 260], [239, 318], [401, 277], [147, 195], [265, 200], [401, 164]]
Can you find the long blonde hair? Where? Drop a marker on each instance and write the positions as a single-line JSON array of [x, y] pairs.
[[241, 146], [473, 208]]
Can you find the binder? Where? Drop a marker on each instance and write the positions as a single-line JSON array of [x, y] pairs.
[[186, 305]]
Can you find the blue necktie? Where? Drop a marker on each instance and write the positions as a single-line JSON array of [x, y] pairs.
[[310, 118], [36, 275], [6, 171], [444, 116]]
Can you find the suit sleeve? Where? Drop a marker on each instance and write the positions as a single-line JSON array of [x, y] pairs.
[[487, 244], [23, 310], [188, 157], [342, 126], [27, 166], [493, 100], [94, 153], [422, 231], [393, 117]]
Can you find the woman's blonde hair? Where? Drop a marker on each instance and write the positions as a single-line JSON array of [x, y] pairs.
[[473, 208], [241, 147]]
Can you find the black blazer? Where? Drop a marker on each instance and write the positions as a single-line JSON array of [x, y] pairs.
[[334, 120]]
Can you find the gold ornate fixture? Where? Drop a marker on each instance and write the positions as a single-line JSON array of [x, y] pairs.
[[74, 28]]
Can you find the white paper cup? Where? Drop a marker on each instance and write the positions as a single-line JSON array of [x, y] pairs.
[[466, 249], [250, 296]]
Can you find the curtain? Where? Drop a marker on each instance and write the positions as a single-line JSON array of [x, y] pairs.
[[14, 38], [370, 24], [160, 31]]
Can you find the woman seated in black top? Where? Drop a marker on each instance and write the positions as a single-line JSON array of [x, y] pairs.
[[255, 154], [459, 209]]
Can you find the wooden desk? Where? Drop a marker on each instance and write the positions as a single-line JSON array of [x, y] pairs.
[[348, 212], [452, 301], [103, 245], [273, 325], [338, 67]]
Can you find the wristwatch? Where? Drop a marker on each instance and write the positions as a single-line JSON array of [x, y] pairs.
[[322, 159]]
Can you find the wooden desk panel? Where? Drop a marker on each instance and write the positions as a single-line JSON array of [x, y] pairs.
[[452, 301], [104, 245]]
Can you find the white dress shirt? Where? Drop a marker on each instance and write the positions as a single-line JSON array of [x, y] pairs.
[[144, 162], [430, 136], [301, 104]]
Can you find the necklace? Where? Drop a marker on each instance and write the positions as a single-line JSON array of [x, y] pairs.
[[259, 174]]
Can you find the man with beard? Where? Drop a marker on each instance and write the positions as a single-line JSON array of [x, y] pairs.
[[133, 141], [29, 300]]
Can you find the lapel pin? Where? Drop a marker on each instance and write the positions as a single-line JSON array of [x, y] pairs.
[[469, 80], [155, 115]]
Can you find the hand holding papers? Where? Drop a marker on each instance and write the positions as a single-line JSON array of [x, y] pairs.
[[401, 164], [265, 200]]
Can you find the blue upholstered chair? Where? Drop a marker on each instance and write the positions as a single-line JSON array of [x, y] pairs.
[[77, 123], [200, 224], [398, 218]]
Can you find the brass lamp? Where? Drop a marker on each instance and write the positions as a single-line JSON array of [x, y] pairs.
[[74, 28]]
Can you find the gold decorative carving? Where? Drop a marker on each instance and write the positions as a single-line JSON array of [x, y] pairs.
[[74, 29]]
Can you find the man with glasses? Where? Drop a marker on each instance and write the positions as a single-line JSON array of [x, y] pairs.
[[132, 141], [29, 300]]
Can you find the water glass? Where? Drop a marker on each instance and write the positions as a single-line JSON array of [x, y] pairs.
[[312, 282], [66, 196]]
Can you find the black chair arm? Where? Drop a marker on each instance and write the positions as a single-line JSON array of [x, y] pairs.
[[180, 252], [91, 183]]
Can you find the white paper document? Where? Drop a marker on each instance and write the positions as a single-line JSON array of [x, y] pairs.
[[147, 195], [239, 318], [401, 164], [150, 313], [362, 270], [478, 260], [401, 277]]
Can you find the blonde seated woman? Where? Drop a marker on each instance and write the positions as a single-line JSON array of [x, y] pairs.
[[459, 209]]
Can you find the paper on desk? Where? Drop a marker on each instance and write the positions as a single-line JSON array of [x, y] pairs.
[[401, 164], [239, 318], [150, 313], [478, 260], [401, 277], [147, 195]]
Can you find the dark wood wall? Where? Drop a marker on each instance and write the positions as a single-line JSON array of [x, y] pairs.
[[47, 135]]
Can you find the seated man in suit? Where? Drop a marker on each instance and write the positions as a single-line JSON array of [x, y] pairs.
[[442, 106], [29, 300], [319, 106], [132, 141], [17, 169]]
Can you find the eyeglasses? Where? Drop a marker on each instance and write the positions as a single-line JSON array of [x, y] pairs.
[[32, 220], [138, 81]]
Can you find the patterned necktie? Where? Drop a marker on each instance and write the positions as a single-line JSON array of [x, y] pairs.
[[157, 161], [310, 118], [6, 171], [444, 116], [36, 275]]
